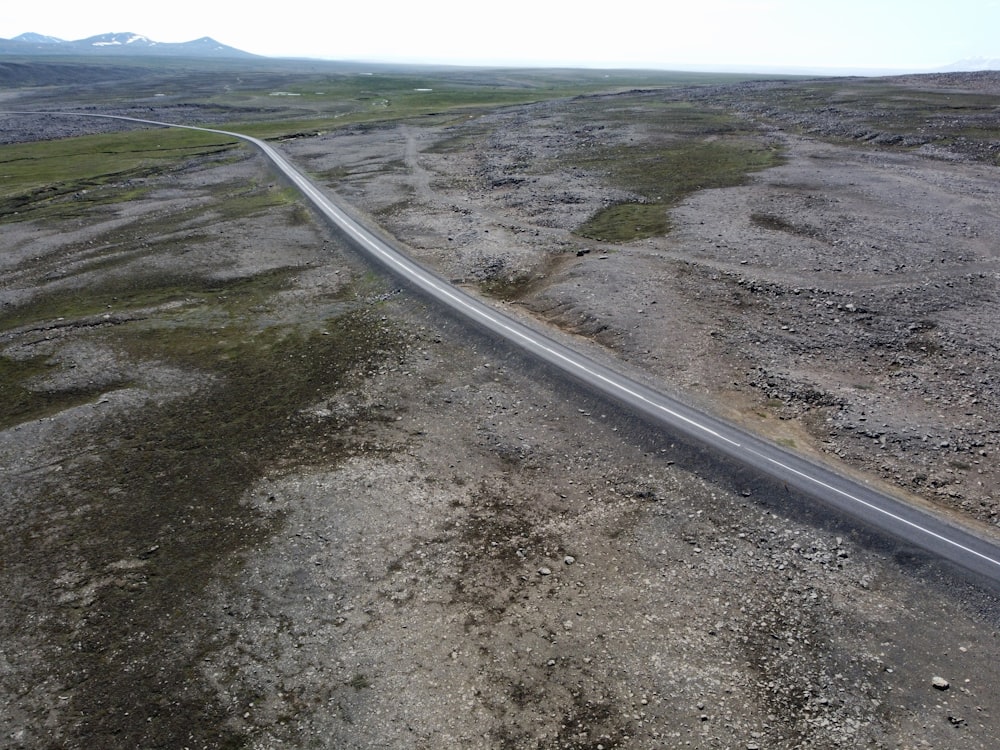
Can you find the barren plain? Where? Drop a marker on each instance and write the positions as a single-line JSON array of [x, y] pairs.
[[257, 495]]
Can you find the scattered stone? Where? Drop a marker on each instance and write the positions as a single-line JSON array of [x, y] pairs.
[[771, 598], [940, 683]]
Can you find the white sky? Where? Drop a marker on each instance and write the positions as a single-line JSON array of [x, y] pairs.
[[891, 34]]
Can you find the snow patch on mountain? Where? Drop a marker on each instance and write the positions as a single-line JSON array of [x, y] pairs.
[[32, 38], [118, 43]]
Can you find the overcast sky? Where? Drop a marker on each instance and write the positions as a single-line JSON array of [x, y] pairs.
[[880, 34]]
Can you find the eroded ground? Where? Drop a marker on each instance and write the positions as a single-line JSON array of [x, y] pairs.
[[256, 496]]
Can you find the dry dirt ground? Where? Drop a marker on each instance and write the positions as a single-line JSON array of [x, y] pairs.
[[277, 502]]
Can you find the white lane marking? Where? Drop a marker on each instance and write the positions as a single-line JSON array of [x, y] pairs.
[[413, 271], [345, 222], [874, 507]]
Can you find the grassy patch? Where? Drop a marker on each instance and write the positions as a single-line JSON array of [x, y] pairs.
[[250, 418], [664, 175], [624, 222], [129, 293], [255, 199], [510, 287], [212, 327], [67, 177], [670, 172], [72, 200], [23, 165], [164, 485], [19, 402]]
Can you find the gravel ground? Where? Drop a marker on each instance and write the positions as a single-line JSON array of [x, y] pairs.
[[435, 543]]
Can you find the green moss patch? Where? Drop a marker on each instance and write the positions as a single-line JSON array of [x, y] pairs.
[[63, 177], [624, 222], [664, 175], [162, 490], [117, 294], [20, 402]]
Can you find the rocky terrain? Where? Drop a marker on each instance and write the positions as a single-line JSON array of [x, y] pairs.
[[258, 496], [849, 294]]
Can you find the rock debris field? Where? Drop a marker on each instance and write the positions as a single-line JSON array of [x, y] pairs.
[[258, 496]]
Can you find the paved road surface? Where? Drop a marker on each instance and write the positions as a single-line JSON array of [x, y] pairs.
[[921, 528]]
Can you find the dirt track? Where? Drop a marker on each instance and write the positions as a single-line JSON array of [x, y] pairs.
[[851, 292], [293, 507]]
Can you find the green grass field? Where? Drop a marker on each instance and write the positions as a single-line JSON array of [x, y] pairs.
[[60, 178], [44, 177]]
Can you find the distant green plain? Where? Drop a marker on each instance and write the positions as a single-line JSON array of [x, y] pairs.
[[62, 178]]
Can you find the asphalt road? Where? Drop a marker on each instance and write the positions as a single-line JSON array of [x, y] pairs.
[[919, 527]]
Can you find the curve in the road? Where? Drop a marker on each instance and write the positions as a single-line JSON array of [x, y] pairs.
[[917, 526]]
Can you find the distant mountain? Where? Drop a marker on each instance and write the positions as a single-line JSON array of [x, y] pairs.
[[136, 41], [973, 64], [32, 38], [117, 44]]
